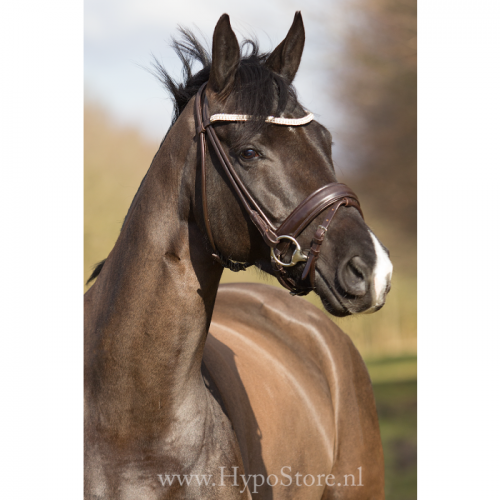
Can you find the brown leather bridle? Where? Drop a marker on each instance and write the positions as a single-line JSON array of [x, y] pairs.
[[279, 239]]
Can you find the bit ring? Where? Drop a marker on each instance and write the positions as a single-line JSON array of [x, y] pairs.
[[298, 255]]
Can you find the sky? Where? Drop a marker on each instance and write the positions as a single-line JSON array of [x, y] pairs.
[[121, 37]]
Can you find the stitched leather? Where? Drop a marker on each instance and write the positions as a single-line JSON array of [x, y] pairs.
[[313, 205]]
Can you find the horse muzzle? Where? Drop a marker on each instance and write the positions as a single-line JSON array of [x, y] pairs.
[[358, 284]]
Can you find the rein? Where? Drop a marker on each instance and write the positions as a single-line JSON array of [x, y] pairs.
[[279, 239]]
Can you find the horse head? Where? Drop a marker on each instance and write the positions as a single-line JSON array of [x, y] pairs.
[[267, 158]]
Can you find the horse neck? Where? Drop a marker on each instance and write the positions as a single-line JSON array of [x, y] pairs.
[[148, 312]]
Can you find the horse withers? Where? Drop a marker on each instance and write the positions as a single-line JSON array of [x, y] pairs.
[[195, 391]]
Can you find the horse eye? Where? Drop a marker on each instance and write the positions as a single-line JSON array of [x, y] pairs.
[[249, 154]]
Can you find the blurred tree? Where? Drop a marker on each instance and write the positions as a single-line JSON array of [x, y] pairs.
[[377, 84], [376, 81]]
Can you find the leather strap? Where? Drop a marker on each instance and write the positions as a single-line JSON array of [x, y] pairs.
[[334, 195], [313, 205]]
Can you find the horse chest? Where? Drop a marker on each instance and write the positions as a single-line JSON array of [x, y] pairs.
[[191, 460]]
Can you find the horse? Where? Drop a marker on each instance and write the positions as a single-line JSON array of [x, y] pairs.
[[200, 391]]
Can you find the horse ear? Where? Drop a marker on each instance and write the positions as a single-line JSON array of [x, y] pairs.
[[225, 57], [285, 59]]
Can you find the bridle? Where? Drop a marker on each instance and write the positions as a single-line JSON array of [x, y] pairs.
[[279, 239]]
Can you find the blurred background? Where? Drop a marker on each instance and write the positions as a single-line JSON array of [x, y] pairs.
[[358, 76]]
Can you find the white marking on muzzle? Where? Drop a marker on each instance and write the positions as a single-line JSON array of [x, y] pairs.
[[382, 273]]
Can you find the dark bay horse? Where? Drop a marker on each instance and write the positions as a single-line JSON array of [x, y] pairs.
[[274, 401]]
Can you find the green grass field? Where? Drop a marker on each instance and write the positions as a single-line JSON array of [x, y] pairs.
[[397, 405], [395, 387]]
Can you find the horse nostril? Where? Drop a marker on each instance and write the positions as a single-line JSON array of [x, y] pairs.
[[354, 277]]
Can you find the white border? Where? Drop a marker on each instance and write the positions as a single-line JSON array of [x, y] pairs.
[[41, 215], [459, 337]]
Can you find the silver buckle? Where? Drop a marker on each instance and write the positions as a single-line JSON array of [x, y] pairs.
[[298, 255]]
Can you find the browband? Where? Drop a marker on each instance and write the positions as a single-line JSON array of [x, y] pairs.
[[291, 122]]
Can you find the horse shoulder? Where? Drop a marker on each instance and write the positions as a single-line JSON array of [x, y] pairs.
[[272, 354]]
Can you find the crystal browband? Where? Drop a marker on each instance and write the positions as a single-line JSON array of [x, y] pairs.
[[270, 119]]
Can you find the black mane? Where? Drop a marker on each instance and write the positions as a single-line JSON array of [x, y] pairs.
[[257, 90]]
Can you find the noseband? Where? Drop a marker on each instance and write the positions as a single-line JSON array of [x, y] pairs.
[[279, 239]]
